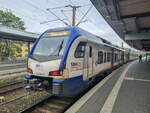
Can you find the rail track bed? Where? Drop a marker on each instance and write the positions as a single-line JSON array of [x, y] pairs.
[[51, 104], [55, 104], [10, 87], [22, 101]]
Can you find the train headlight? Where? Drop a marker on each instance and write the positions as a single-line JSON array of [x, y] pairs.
[[30, 71], [55, 73]]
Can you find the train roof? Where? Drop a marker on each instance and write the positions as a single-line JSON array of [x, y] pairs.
[[79, 31]]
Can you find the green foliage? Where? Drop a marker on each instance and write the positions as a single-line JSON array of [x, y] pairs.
[[2, 83], [7, 18], [27, 97], [6, 49], [17, 46], [18, 49]]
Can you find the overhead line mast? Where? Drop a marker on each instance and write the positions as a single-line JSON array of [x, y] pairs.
[[74, 8], [73, 13]]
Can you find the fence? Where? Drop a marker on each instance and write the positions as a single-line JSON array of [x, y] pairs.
[[8, 60]]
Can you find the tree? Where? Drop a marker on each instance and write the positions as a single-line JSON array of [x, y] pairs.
[[7, 18]]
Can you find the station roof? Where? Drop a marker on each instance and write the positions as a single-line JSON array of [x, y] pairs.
[[15, 34], [129, 18]]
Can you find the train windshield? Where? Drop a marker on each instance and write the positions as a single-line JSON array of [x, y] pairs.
[[50, 47]]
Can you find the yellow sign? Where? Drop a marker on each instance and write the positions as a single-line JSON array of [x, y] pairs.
[[58, 33]]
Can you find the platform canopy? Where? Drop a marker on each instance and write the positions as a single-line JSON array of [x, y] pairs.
[[129, 18], [15, 34]]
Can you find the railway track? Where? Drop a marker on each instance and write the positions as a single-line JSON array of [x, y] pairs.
[[12, 100], [10, 87], [12, 71], [51, 104]]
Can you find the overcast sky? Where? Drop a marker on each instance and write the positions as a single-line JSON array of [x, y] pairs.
[[33, 13]]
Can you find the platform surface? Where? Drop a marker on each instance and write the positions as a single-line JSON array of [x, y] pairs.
[[126, 90]]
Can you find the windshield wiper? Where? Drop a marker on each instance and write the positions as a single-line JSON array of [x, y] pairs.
[[60, 47]]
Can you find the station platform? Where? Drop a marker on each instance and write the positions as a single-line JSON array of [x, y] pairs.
[[125, 90]]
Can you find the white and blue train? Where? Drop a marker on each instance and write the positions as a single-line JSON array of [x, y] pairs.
[[67, 60]]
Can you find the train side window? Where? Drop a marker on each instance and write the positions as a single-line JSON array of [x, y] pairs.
[[119, 56], [80, 50], [108, 57], [100, 57], [90, 51], [116, 57], [105, 57]]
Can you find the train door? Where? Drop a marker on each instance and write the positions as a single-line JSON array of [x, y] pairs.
[[77, 59], [85, 64], [122, 57], [112, 58], [90, 60]]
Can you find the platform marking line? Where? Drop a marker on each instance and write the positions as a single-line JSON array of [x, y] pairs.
[[131, 78], [110, 101], [75, 107]]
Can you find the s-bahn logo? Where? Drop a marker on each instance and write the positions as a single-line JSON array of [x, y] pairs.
[[39, 67], [75, 63], [76, 66]]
